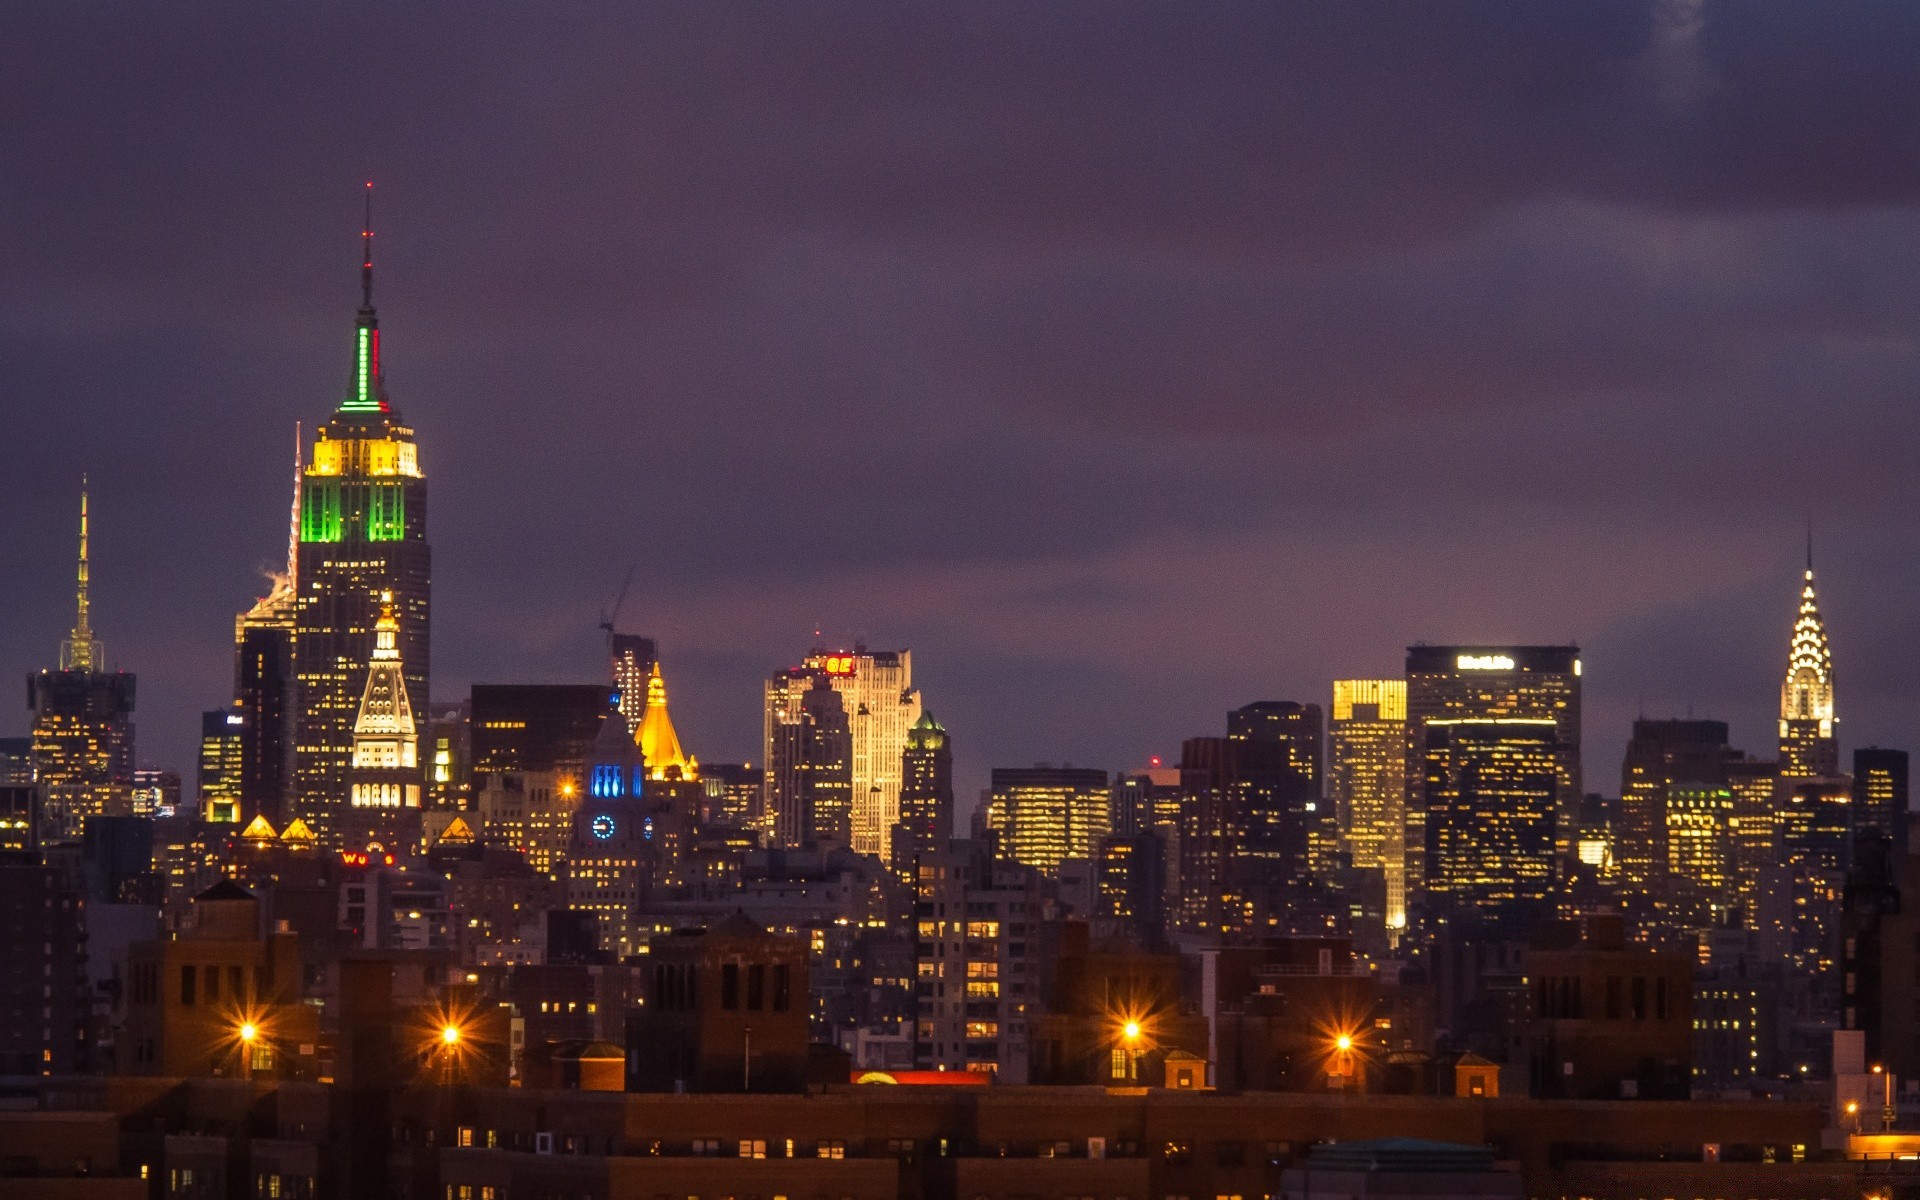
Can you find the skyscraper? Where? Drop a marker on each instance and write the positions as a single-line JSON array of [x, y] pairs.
[[633, 660], [809, 762], [1880, 794], [82, 725], [363, 532], [1491, 683], [880, 705], [385, 768], [1044, 815], [926, 794], [659, 743], [1367, 780], [223, 740], [1280, 767], [263, 682], [1676, 825], [1808, 747], [1490, 799]]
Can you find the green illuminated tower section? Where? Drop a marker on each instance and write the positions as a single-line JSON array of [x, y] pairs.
[[363, 532]]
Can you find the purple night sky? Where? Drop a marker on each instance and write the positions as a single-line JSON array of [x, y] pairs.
[[1128, 362]]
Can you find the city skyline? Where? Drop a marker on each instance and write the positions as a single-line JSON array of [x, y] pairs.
[[998, 515]]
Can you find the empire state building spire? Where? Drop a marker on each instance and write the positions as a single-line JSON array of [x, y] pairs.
[[1808, 748], [367, 392]]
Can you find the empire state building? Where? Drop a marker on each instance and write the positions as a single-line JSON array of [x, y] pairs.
[[363, 534]]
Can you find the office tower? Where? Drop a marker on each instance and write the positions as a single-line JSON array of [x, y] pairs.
[[45, 1007], [1489, 683], [1490, 795], [809, 763], [449, 756], [363, 533], [1367, 780], [876, 689], [977, 958], [1880, 794], [633, 661], [1759, 879], [659, 744], [263, 681], [1808, 747], [223, 748], [534, 726], [82, 725], [384, 772], [1676, 823], [16, 762], [1213, 835], [156, 791], [1280, 767], [926, 794], [1044, 814], [1815, 835], [1130, 889]]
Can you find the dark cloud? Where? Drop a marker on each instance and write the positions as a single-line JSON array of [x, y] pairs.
[[1128, 361]]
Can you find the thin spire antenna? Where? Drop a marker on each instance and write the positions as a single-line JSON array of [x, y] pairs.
[[293, 519], [1809, 543], [82, 653], [366, 251]]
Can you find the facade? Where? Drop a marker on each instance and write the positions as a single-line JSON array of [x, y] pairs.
[[1367, 780], [725, 1011], [809, 741], [1675, 827], [45, 1006], [1044, 815], [1809, 747], [82, 726], [1491, 683], [363, 534], [1880, 793], [977, 962], [926, 795], [611, 852], [1489, 798], [633, 659], [1282, 773], [223, 748], [156, 791], [530, 812], [384, 775], [263, 682], [1609, 1022], [880, 706], [534, 726]]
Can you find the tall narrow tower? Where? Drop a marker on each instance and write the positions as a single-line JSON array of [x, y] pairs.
[[82, 724], [363, 533], [263, 683], [1808, 747]]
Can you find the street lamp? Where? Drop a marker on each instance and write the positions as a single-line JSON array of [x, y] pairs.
[[450, 1035]]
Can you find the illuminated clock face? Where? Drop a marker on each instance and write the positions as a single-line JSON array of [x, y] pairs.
[[602, 827]]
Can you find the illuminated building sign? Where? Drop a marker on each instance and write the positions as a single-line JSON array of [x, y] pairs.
[[1483, 662], [839, 664]]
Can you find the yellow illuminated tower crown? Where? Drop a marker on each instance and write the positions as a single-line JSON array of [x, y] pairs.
[[1807, 744]]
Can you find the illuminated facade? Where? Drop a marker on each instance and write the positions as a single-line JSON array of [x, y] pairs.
[[633, 661], [1493, 683], [1676, 822], [610, 850], [1367, 780], [529, 811], [876, 690], [363, 532], [977, 969], [1489, 789], [385, 769], [1759, 883], [1808, 747], [223, 740], [82, 725], [1880, 794], [809, 740], [926, 795], [1281, 773], [659, 744], [1044, 815]]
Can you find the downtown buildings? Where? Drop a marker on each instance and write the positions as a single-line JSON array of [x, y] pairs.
[[833, 736]]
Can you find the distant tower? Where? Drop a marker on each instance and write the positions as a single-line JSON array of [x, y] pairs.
[[1367, 780], [263, 683], [926, 794], [880, 704], [1808, 748], [659, 744], [809, 793], [82, 725], [634, 658], [363, 533], [385, 775]]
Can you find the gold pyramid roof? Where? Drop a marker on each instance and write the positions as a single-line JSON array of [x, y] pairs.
[[297, 831], [659, 744], [258, 830], [457, 830]]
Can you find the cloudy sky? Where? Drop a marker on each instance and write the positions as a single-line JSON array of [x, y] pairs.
[[1128, 363]]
